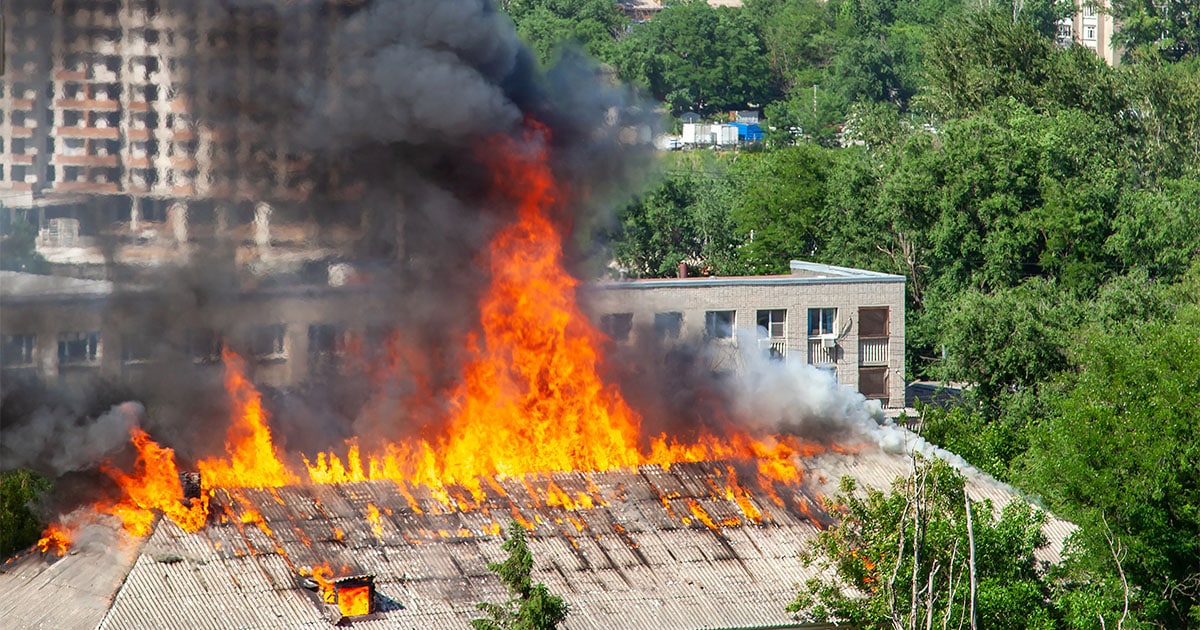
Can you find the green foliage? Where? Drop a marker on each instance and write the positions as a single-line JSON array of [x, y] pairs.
[[903, 557], [548, 25], [684, 220], [1009, 340], [1167, 29], [18, 249], [1119, 454], [986, 57], [532, 606], [699, 58], [780, 202], [19, 528]]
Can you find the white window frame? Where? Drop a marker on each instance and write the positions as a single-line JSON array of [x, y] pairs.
[[824, 328], [716, 326], [92, 347], [27, 350]]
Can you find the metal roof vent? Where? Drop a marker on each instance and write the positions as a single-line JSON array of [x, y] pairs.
[[343, 596]]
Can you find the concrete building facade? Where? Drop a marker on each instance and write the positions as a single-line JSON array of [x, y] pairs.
[[66, 330], [849, 322]]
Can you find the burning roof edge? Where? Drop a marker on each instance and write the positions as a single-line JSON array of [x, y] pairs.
[[631, 558]]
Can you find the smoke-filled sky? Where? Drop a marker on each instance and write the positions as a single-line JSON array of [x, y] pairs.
[[391, 104], [394, 100]]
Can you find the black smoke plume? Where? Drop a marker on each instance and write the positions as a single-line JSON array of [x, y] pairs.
[[381, 111]]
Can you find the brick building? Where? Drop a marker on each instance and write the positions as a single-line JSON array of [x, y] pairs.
[[847, 321]]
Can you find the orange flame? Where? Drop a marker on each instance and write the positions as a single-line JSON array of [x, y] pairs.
[[531, 399], [153, 487], [354, 600], [55, 540], [700, 514], [253, 461], [376, 521]]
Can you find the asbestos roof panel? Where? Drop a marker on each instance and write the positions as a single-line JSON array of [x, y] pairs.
[[625, 562], [69, 592]]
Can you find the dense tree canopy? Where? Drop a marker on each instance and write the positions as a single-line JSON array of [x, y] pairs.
[[548, 25], [1043, 208], [695, 57], [925, 553]]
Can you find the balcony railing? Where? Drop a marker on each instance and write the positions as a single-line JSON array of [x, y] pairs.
[[821, 352], [873, 351], [775, 346]]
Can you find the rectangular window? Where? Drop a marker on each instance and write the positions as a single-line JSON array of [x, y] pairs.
[[873, 321], [266, 342], [78, 347], [324, 339], [136, 349], [617, 325], [326, 345], [204, 345], [822, 322], [719, 324], [1089, 32], [17, 350], [873, 382], [772, 323], [668, 325]]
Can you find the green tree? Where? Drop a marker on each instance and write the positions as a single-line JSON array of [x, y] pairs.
[[18, 249], [19, 528], [695, 57], [532, 606], [685, 219], [1169, 29], [780, 201], [985, 57], [1119, 455], [1010, 340], [924, 553], [548, 25]]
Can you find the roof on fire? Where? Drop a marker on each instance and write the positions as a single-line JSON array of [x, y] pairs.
[[632, 560]]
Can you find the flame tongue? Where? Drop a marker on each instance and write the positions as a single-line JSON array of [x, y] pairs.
[[252, 458], [153, 486], [532, 399]]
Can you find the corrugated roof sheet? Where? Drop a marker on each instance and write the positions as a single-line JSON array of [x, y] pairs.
[[638, 558]]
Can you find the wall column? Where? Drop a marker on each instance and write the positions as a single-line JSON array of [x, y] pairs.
[[262, 226], [177, 216]]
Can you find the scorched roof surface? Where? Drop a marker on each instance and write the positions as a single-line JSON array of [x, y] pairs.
[[638, 557]]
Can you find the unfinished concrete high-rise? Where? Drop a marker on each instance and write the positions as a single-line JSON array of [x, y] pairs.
[[122, 117]]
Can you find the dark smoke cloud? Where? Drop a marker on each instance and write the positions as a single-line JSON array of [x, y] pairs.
[[55, 441], [390, 105]]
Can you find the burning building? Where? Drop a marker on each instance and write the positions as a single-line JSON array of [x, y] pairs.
[[686, 547], [272, 452]]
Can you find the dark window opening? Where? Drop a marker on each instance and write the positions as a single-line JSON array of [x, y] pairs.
[[719, 324], [873, 382], [873, 322], [617, 325], [668, 325], [78, 347]]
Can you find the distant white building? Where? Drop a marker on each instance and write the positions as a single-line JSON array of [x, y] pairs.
[[1092, 25]]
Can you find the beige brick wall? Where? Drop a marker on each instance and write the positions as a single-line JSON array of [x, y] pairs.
[[694, 297], [353, 310]]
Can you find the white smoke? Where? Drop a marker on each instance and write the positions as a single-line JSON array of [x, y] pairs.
[[795, 398]]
